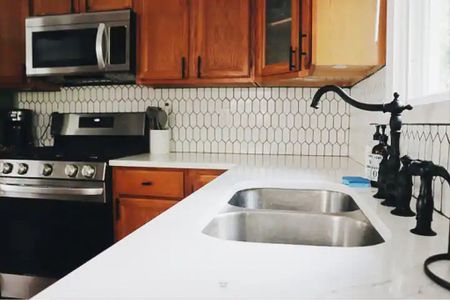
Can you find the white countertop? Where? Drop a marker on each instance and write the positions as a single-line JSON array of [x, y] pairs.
[[170, 257]]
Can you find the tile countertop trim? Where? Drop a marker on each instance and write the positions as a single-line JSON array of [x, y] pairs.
[[170, 257]]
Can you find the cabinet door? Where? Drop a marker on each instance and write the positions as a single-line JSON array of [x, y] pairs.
[[104, 5], [132, 213], [163, 39], [221, 39], [199, 178], [12, 42], [283, 36], [52, 7]]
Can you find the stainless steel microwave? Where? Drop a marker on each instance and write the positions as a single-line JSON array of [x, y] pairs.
[[87, 46]]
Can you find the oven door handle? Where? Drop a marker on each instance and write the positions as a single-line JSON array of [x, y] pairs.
[[100, 46], [13, 188]]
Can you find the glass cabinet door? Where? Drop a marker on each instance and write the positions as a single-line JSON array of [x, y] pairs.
[[278, 26], [278, 23], [278, 31], [284, 28]]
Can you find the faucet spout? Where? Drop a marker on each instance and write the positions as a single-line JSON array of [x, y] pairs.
[[390, 165], [346, 97]]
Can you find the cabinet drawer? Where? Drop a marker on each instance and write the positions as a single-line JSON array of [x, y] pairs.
[[149, 182]]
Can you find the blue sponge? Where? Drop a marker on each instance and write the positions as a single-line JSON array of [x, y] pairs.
[[356, 181]]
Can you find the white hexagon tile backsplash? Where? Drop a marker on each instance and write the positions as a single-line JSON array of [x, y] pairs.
[[215, 120]]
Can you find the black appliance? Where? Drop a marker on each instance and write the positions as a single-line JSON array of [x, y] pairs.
[[16, 130], [55, 202]]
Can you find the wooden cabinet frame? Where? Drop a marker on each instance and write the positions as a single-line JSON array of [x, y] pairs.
[[301, 41]]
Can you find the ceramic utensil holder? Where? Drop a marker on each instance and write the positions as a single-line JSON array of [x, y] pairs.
[[160, 141]]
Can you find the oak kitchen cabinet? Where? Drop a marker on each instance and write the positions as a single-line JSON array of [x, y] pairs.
[[141, 194], [195, 42], [52, 7], [12, 47], [163, 37], [284, 37], [318, 42], [196, 179], [215, 42], [55, 7], [104, 5], [12, 42]]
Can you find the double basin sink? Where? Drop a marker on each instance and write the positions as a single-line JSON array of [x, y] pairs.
[[294, 216]]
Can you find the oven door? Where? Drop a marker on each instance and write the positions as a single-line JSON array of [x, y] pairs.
[[46, 234], [77, 49]]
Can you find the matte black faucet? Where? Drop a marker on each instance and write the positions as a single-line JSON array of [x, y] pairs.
[[391, 164], [404, 189], [425, 202]]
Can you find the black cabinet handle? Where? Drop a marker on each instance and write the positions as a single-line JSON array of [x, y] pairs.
[[303, 53], [146, 183], [30, 7], [291, 55], [183, 67], [199, 67]]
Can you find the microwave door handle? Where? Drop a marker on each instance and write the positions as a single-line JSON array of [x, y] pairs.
[[99, 46]]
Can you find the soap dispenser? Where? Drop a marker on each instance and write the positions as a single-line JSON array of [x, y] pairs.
[[369, 170], [378, 152], [425, 203]]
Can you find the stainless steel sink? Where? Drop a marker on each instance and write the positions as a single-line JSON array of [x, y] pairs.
[[293, 228], [320, 201]]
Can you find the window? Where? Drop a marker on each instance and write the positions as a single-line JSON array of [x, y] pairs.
[[421, 50]]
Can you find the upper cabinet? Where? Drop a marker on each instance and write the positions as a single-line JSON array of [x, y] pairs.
[[349, 38], [57, 7], [227, 42], [196, 42], [51, 7], [283, 38], [318, 42], [221, 39], [104, 5], [12, 42], [163, 40]]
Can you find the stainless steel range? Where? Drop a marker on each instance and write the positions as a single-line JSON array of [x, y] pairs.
[[55, 202]]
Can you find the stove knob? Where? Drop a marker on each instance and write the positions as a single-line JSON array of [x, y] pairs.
[[47, 169], [23, 169], [7, 168], [71, 170], [88, 171]]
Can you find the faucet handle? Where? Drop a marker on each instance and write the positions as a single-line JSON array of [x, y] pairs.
[[428, 169], [396, 106], [425, 202], [406, 161]]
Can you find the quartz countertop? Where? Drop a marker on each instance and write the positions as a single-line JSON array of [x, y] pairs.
[[170, 257]]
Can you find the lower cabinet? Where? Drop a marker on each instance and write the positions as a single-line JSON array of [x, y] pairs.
[[132, 213], [141, 194], [196, 179]]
